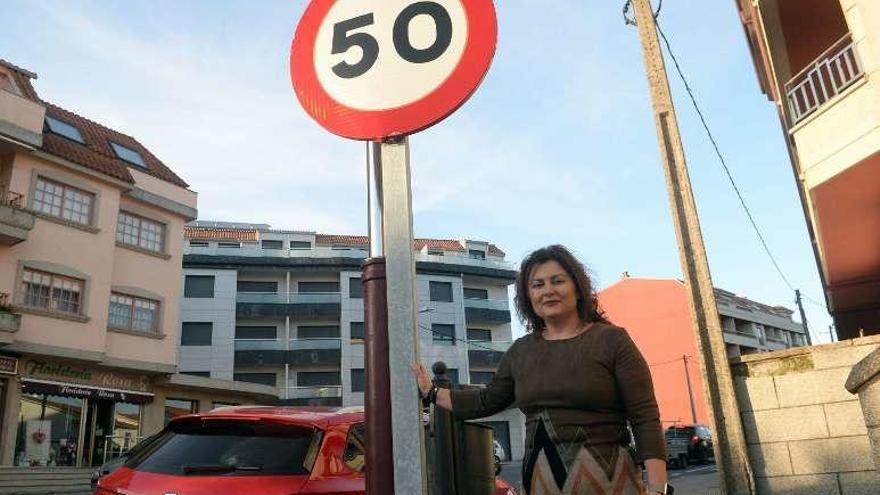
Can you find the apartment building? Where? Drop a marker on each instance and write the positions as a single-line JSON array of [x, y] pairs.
[[818, 61], [655, 313], [285, 309], [91, 249]]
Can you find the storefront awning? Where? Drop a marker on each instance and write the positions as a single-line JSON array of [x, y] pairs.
[[33, 386]]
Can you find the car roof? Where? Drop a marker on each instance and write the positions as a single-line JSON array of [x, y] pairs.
[[322, 417]]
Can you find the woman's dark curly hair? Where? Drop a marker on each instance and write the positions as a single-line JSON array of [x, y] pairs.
[[587, 303]]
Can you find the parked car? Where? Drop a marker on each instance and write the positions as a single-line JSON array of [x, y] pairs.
[[699, 441], [117, 462], [230, 451], [677, 442]]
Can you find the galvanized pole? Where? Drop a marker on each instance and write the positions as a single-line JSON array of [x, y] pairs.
[[800, 305], [391, 234], [730, 445]]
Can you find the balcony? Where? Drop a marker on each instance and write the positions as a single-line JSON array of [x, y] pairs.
[[487, 311], [826, 77], [486, 354], [15, 221], [330, 395], [9, 322], [312, 305], [297, 352], [21, 120]]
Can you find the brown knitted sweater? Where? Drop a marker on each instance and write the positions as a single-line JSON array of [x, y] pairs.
[[587, 387]]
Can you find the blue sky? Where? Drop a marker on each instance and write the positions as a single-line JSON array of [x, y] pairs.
[[557, 146]]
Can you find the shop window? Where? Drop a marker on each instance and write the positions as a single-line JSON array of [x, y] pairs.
[[48, 430], [126, 428], [62, 201], [443, 334], [51, 291], [133, 313], [441, 291], [135, 230], [200, 286], [179, 407], [196, 333]]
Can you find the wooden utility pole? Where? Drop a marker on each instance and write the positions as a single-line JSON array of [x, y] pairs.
[[730, 446]]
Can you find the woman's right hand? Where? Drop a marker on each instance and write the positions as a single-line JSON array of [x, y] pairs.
[[422, 378]]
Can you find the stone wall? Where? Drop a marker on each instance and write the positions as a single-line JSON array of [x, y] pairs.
[[806, 432]]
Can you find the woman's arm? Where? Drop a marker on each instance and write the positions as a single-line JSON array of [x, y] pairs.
[[444, 398]]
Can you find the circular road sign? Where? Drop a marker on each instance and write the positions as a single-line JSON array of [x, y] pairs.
[[371, 70]]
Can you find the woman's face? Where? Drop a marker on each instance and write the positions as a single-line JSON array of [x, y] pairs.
[[552, 291]]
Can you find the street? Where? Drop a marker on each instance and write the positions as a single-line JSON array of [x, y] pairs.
[[696, 480]]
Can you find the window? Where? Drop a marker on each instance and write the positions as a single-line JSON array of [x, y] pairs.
[[179, 407], [355, 455], [50, 291], [318, 332], [318, 378], [440, 291], [246, 286], [259, 448], [476, 293], [135, 230], [452, 376], [477, 254], [133, 313], [479, 335], [196, 333], [481, 377], [62, 201], [317, 287], [300, 245], [272, 244], [435, 253], [128, 154], [355, 290], [256, 333], [64, 129], [229, 245], [200, 286], [206, 374], [269, 379], [198, 244], [357, 330], [357, 380], [444, 334]]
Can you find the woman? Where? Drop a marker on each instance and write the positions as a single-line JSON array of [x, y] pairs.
[[578, 379]]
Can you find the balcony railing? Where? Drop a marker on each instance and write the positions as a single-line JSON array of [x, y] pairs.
[[288, 298], [828, 75], [496, 304], [10, 198], [314, 392], [489, 346]]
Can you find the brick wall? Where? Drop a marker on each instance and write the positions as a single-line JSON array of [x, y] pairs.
[[806, 433]]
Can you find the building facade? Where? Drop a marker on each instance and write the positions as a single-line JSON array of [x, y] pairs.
[[655, 313], [819, 62], [91, 249], [285, 309]]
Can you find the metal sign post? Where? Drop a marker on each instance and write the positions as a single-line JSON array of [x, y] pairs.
[[730, 445]]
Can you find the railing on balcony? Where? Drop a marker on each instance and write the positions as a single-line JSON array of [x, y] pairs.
[[10, 198], [314, 392], [828, 75], [496, 304], [479, 345], [288, 298]]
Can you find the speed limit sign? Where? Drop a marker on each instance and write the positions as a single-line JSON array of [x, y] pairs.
[[367, 69]]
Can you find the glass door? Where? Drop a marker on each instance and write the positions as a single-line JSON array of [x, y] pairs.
[[99, 426]]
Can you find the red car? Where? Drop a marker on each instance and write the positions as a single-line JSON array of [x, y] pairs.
[[252, 450]]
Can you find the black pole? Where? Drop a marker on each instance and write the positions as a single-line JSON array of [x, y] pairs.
[[443, 467], [797, 295], [687, 376], [380, 460]]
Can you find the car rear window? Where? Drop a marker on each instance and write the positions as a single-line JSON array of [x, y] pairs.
[[214, 447]]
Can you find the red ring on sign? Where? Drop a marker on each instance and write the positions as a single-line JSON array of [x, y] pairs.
[[406, 119]]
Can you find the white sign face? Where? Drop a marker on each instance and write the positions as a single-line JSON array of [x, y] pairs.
[[372, 55]]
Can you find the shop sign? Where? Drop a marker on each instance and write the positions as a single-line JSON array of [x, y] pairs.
[[68, 390], [8, 365], [83, 375]]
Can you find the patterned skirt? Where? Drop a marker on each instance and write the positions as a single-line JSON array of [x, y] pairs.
[[577, 468]]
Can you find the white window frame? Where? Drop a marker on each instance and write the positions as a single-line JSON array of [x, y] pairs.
[[139, 230]]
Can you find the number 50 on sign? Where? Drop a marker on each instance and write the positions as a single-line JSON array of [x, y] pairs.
[[367, 69]]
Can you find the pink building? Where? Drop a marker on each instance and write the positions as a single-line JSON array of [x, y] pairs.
[[91, 247]]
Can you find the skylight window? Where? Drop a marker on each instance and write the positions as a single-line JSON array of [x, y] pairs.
[[128, 154], [64, 129]]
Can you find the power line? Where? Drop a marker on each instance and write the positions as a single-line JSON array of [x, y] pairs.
[[666, 362], [453, 337]]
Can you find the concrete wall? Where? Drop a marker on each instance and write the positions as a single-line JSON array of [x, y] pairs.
[[806, 433]]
